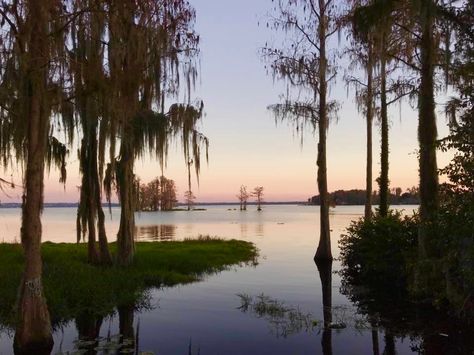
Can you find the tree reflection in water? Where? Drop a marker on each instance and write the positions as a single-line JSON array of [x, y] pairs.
[[431, 330], [88, 327], [325, 275], [158, 232]]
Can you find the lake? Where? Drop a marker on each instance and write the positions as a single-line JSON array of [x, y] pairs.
[[210, 317]]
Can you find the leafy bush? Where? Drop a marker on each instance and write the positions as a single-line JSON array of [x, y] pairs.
[[376, 253]]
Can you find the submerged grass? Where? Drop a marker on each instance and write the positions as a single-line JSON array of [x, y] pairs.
[[74, 287]]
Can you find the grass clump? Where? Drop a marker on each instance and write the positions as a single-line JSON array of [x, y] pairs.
[[73, 287]]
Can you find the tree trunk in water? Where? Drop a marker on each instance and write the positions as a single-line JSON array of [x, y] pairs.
[[427, 135], [33, 332], [383, 180], [369, 120], [324, 248], [325, 275], [125, 236]]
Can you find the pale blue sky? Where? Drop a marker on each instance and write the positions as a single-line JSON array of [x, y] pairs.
[[245, 145]]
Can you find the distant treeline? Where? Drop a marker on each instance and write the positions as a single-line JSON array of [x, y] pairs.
[[357, 197]]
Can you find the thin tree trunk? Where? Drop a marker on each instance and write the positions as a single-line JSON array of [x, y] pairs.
[[104, 254], [88, 176], [125, 236], [93, 255], [389, 344], [105, 257], [427, 134], [189, 184], [86, 210], [324, 247], [369, 121], [383, 180], [33, 332], [375, 341]]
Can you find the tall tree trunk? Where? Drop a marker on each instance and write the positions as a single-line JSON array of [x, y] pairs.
[[104, 254], [33, 332], [390, 348], [383, 180], [189, 185], [105, 257], [125, 236], [86, 209], [324, 247], [369, 121], [91, 208], [93, 255], [427, 132], [88, 51], [375, 341]]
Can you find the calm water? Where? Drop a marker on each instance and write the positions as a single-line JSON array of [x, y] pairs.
[[205, 316]]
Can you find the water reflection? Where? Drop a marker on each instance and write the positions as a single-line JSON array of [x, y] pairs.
[[283, 320], [89, 340], [325, 275], [259, 230], [286, 272], [128, 340], [158, 232], [88, 327], [243, 230], [431, 330]]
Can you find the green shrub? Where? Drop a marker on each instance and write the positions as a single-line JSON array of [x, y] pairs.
[[376, 253]]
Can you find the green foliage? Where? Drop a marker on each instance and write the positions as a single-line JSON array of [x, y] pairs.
[[73, 287], [456, 216], [376, 252]]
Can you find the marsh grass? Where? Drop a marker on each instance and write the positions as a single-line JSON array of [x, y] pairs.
[[73, 287]]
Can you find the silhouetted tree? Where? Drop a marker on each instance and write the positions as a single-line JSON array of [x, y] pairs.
[[258, 194], [363, 54], [150, 44], [188, 195], [189, 199], [32, 88], [243, 197], [307, 67], [87, 56], [420, 23]]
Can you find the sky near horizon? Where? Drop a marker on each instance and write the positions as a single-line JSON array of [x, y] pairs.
[[246, 147]]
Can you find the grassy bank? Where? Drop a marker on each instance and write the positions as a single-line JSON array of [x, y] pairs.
[[73, 287]]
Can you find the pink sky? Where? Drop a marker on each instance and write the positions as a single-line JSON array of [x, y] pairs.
[[245, 146]]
